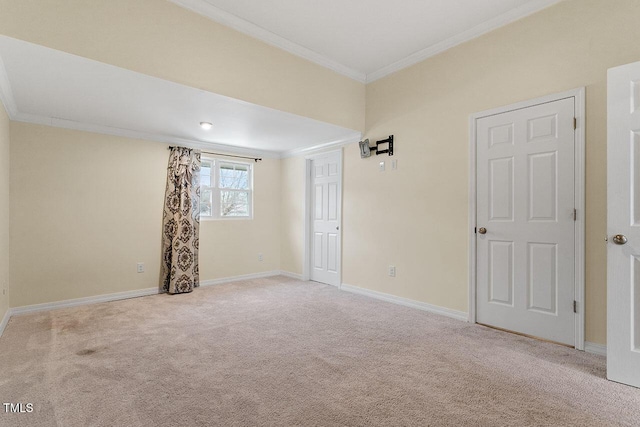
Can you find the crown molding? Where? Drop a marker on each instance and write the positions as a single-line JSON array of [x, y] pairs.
[[513, 15], [323, 146], [224, 18], [190, 143], [8, 100], [133, 134], [6, 94], [218, 15]]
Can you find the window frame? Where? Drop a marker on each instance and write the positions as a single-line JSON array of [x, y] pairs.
[[216, 190]]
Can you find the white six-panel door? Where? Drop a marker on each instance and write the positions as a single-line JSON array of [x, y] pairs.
[[623, 225], [326, 201], [525, 201]]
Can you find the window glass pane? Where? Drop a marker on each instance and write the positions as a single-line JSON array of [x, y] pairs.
[[234, 176], [234, 203], [205, 173], [206, 207]]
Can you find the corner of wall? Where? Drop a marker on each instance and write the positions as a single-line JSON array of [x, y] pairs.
[[292, 214], [4, 215]]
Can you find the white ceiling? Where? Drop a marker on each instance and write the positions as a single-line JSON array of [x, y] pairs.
[[365, 39], [46, 86]]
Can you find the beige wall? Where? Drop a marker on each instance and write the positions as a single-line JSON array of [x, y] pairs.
[[86, 208], [4, 211], [161, 39], [231, 247], [416, 217], [292, 205], [427, 108]]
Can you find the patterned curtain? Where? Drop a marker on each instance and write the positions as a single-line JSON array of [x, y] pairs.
[[181, 222]]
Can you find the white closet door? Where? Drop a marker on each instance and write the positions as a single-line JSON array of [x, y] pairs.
[[623, 228], [326, 201], [525, 202]]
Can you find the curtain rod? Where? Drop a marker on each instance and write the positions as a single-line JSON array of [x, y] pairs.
[[255, 159]]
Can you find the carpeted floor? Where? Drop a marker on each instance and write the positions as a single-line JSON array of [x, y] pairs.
[[278, 351]]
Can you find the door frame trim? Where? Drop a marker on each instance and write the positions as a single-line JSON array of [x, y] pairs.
[[579, 191], [306, 267]]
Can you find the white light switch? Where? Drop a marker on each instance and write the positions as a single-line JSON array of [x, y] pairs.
[[381, 167]]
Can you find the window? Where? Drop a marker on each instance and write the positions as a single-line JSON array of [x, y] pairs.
[[225, 189]]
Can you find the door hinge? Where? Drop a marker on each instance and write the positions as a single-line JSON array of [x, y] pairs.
[[575, 123], [575, 306], [475, 230], [575, 214]]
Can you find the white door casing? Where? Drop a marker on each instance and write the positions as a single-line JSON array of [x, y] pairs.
[[527, 182], [325, 206], [623, 218]]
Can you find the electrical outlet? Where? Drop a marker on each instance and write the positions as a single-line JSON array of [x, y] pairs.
[[392, 271], [394, 164], [140, 266], [260, 257], [381, 167]]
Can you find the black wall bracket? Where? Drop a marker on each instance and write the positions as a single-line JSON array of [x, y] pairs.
[[389, 148], [365, 150]]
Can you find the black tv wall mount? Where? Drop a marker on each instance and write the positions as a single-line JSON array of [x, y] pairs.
[[365, 150]]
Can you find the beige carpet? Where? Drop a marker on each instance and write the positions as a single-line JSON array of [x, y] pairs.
[[282, 352]]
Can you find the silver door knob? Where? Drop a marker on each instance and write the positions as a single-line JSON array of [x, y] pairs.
[[619, 239], [482, 230]]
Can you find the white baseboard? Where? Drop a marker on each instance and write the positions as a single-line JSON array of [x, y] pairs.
[[122, 295], [129, 294], [126, 295], [599, 349], [589, 347], [223, 280], [459, 315], [84, 301], [291, 275], [5, 321]]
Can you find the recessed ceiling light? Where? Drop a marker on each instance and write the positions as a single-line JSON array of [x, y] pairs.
[[206, 125]]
